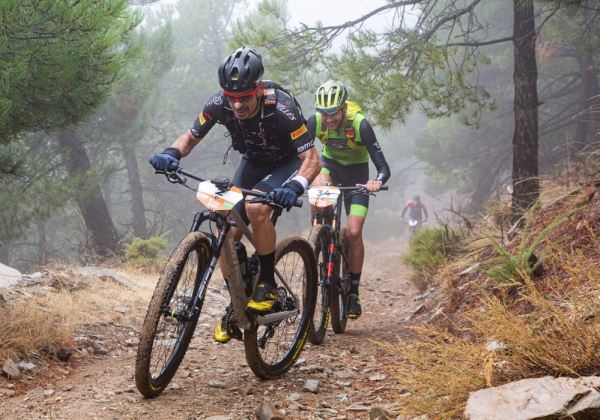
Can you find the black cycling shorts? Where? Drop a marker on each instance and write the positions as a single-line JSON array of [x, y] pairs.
[[263, 177], [348, 176]]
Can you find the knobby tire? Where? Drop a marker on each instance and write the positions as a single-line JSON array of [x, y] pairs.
[[319, 239], [195, 249], [339, 293], [255, 355]]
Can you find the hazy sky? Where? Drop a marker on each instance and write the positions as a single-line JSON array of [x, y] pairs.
[[329, 12], [332, 11]]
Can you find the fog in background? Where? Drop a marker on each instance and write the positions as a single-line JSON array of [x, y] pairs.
[[407, 180], [457, 160]]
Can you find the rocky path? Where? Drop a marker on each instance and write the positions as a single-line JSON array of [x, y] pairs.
[[350, 371]]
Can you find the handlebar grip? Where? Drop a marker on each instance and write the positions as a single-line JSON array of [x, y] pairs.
[[298, 203], [384, 188]]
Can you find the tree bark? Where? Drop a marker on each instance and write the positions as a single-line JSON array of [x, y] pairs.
[[140, 228], [525, 136], [89, 195], [588, 121], [41, 242]]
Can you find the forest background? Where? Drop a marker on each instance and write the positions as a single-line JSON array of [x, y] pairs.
[[89, 90]]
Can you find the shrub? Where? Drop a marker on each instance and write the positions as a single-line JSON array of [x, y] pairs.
[[511, 267], [429, 250], [146, 253]]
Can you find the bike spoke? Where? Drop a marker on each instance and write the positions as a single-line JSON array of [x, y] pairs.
[[276, 340], [173, 320]]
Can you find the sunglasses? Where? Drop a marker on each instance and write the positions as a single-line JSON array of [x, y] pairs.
[[328, 111], [240, 96]]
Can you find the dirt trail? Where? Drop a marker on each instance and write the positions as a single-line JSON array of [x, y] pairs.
[[214, 379]]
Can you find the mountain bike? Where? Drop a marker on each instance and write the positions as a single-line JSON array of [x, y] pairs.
[[413, 226], [328, 239], [272, 341]]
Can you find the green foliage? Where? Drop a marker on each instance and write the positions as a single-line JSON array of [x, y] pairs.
[[391, 70], [430, 250], [516, 266], [146, 252], [59, 59]]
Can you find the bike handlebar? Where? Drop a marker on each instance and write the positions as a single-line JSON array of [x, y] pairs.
[[178, 176], [360, 188]]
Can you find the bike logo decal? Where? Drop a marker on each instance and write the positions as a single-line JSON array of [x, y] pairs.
[[215, 199]]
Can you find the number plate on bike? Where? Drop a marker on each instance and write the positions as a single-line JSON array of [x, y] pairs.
[[214, 199], [323, 196]]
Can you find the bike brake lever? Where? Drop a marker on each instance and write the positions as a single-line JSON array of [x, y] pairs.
[[176, 178]]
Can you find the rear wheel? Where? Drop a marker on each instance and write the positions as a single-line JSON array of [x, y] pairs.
[[170, 321], [319, 239], [340, 288], [273, 348]]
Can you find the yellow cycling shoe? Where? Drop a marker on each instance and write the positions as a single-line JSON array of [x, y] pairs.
[[220, 335], [262, 299]]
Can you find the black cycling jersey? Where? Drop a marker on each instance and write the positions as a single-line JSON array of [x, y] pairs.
[[369, 140], [276, 133]]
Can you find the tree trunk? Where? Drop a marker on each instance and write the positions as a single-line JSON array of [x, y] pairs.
[[140, 229], [588, 121], [525, 136], [41, 242], [89, 195]]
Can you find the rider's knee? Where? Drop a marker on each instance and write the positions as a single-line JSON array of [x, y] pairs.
[[257, 213], [354, 234]]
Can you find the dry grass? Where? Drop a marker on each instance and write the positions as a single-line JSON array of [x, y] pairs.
[[549, 327], [36, 327]]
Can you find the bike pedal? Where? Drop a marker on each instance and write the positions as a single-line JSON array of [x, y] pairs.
[[228, 324]]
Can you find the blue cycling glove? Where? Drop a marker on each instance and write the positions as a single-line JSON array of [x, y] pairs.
[[168, 160], [287, 194]]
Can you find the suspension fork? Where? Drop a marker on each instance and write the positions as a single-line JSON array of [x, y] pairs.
[[216, 246]]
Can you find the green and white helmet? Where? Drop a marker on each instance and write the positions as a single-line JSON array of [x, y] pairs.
[[330, 97]]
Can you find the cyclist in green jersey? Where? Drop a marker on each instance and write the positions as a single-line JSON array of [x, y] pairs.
[[348, 143]]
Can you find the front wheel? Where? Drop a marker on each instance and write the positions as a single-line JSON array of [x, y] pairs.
[[319, 239], [340, 288], [273, 348], [170, 321]]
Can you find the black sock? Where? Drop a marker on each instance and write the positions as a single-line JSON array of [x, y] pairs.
[[267, 269], [354, 282]]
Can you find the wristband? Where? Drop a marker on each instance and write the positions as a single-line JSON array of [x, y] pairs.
[[303, 181]]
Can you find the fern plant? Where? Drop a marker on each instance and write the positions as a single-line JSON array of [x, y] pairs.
[[513, 267]]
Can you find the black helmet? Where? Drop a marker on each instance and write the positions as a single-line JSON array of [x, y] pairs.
[[241, 71]]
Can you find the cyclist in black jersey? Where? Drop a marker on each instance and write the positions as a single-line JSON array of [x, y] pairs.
[[267, 126], [348, 143]]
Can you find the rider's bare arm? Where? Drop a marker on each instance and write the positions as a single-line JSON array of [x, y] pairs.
[[185, 143], [311, 164]]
